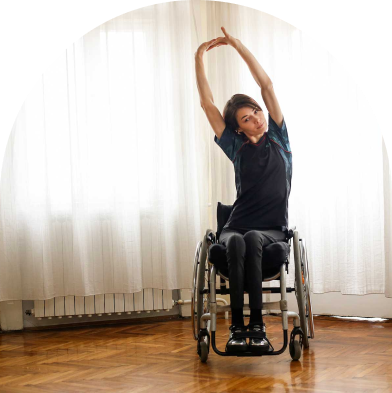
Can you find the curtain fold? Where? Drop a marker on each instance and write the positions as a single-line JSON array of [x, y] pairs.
[[387, 220], [111, 175], [103, 185]]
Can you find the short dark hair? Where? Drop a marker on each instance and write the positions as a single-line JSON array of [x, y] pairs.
[[236, 102]]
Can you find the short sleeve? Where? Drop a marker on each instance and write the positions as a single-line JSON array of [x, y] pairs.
[[279, 134], [230, 142]]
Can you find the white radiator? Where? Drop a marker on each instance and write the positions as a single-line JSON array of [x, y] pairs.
[[118, 303]]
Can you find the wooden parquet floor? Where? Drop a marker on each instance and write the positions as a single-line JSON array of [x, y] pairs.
[[345, 356]]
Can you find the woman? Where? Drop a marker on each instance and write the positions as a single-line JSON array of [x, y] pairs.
[[261, 156]]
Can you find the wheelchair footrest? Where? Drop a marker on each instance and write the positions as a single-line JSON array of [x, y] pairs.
[[250, 352]]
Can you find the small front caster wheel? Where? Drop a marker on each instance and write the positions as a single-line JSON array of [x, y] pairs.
[[295, 349], [203, 354]]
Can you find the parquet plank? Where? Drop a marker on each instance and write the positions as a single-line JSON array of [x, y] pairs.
[[346, 356]]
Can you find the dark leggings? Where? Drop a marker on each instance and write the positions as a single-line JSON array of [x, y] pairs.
[[244, 256]]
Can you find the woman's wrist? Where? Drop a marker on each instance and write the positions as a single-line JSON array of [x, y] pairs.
[[199, 62], [237, 44], [199, 55]]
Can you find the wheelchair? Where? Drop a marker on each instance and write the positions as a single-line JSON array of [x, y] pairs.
[[210, 262]]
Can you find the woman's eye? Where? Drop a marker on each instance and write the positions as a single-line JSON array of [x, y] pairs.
[[255, 112]]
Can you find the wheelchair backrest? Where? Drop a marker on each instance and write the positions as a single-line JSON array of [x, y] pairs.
[[222, 215]]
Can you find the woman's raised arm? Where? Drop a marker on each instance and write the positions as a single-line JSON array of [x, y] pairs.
[[206, 99], [259, 75], [205, 92]]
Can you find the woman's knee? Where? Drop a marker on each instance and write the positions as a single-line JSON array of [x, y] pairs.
[[253, 238], [235, 241]]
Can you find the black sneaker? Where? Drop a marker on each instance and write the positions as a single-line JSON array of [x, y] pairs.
[[236, 344], [261, 344]]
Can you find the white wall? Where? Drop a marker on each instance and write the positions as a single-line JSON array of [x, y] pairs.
[[375, 306]]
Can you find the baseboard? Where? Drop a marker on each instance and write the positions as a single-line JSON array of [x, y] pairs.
[[130, 321]]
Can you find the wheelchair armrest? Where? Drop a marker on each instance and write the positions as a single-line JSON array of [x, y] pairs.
[[290, 232], [210, 236]]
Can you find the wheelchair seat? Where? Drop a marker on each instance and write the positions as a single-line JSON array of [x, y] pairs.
[[274, 255]]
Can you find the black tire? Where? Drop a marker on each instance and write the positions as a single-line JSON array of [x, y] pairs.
[[200, 303], [299, 290], [295, 350], [308, 302], [203, 351], [194, 315]]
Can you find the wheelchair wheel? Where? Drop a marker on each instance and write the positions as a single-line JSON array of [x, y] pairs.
[[204, 350], [306, 283], [295, 350], [194, 315], [199, 300], [300, 290]]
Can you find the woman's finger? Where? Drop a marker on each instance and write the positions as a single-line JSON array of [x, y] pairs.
[[216, 46], [227, 35], [212, 46]]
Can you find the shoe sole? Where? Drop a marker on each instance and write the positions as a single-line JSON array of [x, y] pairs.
[[259, 350], [232, 349]]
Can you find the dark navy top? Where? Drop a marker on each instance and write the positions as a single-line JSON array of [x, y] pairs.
[[263, 173]]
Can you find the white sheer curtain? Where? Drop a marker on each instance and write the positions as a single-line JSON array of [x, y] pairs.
[[103, 185], [336, 200], [111, 175]]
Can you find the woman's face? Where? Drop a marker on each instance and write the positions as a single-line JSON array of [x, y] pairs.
[[251, 121]]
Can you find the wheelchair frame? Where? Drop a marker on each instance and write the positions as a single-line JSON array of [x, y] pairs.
[[204, 306]]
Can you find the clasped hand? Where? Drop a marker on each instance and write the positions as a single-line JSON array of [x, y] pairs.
[[214, 43]]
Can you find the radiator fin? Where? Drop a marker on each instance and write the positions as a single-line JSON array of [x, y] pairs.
[[145, 300]]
